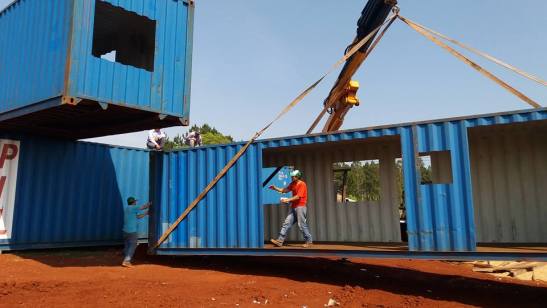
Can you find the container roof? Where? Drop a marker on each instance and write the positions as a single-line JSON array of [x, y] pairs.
[[394, 129], [499, 118]]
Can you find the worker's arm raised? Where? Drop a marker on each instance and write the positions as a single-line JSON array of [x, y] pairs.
[[281, 190], [145, 206]]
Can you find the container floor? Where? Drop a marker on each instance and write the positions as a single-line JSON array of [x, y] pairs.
[[481, 247]]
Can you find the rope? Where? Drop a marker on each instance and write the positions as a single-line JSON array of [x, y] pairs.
[[467, 61], [484, 55], [231, 163]]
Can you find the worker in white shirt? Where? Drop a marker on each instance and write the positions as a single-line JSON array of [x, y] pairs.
[[193, 139], [156, 139]]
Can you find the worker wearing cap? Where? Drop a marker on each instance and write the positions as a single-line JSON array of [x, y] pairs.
[[130, 230], [297, 211]]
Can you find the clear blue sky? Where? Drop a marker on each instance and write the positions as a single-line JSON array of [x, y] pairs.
[[253, 57]]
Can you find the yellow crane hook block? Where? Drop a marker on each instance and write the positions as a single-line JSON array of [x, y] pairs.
[[351, 93]]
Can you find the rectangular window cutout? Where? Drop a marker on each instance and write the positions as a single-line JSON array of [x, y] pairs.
[[435, 167], [124, 37], [357, 181]]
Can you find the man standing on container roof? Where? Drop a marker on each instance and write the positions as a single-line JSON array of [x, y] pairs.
[[297, 211], [156, 139], [130, 228]]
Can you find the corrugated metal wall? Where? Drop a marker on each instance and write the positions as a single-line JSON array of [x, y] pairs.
[[72, 193], [365, 221], [33, 51], [229, 217], [509, 172], [166, 89], [439, 216]]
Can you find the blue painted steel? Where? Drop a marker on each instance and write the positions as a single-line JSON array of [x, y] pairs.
[[395, 129], [229, 216], [46, 52], [439, 216], [34, 39], [281, 179], [71, 193], [424, 255], [162, 90], [322, 138]]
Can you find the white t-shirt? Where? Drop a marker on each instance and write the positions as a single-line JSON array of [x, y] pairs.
[[154, 136]]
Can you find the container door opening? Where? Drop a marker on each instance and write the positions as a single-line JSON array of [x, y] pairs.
[[509, 177], [353, 201]]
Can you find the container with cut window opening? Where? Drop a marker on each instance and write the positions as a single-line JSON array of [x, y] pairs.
[[86, 68]]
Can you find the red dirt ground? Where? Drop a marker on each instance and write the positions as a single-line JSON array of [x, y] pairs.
[[94, 278]]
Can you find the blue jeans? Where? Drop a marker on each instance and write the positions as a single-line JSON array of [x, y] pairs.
[[130, 241], [296, 215]]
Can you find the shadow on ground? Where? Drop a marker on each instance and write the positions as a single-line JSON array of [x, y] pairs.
[[359, 273]]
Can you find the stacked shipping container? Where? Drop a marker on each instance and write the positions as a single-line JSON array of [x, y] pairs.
[[86, 68]]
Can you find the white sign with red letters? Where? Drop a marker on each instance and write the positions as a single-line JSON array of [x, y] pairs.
[[9, 161]]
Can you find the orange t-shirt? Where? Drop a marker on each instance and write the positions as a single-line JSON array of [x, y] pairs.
[[298, 188]]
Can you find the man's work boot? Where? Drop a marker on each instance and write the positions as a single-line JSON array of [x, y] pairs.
[[277, 243], [307, 245]]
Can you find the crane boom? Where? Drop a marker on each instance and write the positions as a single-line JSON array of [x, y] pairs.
[[373, 15], [344, 90]]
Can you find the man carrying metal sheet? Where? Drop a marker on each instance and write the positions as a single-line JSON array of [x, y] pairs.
[[130, 230], [297, 211]]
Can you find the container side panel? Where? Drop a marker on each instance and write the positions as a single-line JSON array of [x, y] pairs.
[[229, 216], [412, 197], [446, 209], [159, 89], [34, 40], [72, 193]]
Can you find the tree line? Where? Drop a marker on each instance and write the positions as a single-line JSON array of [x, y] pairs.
[[209, 135]]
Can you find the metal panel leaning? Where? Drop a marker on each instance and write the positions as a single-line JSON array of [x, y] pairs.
[[86, 68]]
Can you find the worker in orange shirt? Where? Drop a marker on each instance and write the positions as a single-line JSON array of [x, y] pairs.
[[297, 212]]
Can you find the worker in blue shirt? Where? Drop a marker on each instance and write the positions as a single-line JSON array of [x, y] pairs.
[[130, 229]]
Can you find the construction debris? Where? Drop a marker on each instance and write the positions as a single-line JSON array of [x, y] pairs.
[[536, 271]]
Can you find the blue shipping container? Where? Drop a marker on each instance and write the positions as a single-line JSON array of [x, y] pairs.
[[230, 216], [86, 68], [440, 213], [72, 193], [281, 179]]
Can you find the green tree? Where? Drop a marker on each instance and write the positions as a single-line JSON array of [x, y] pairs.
[[425, 171], [363, 180], [209, 136], [176, 143]]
